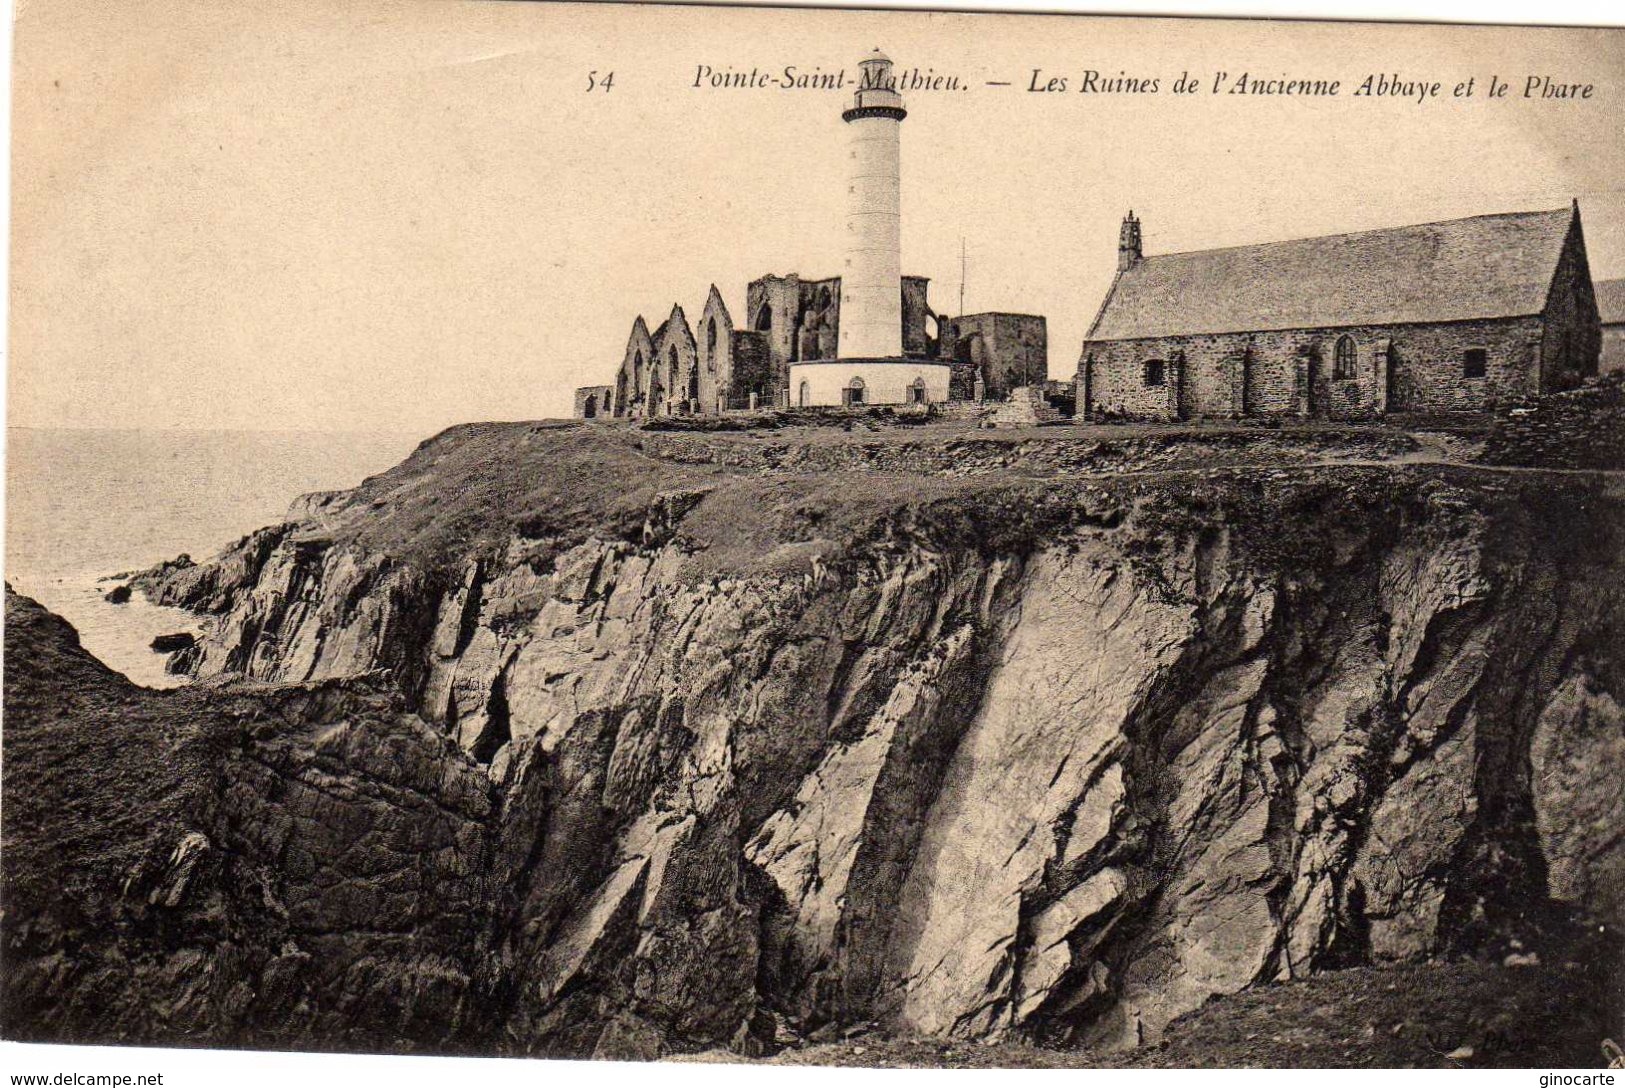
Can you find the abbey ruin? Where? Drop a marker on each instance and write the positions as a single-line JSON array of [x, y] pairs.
[[867, 336]]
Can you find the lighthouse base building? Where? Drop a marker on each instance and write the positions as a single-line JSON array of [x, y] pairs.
[[826, 383]]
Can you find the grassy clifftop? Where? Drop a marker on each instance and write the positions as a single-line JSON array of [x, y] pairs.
[[473, 488]]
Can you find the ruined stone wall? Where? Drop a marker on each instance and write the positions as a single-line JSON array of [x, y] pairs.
[[714, 346], [801, 319], [1006, 351], [673, 383], [595, 401], [632, 377], [772, 307], [818, 323], [752, 371], [1018, 351], [916, 337]]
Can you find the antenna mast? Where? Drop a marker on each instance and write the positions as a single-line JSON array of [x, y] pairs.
[[961, 275]]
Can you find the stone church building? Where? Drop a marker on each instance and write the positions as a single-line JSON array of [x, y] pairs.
[[1438, 317], [1611, 304]]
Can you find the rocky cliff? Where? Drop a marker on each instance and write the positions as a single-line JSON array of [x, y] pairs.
[[662, 751]]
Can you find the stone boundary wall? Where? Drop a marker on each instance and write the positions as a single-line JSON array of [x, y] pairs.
[[1027, 407], [984, 452], [1582, 428]]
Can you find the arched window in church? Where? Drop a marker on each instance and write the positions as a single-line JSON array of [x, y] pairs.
[[854, 392], [764, 318], [916, 391], [671, 367], [1343, 358], [1154, 372], [711, 337]]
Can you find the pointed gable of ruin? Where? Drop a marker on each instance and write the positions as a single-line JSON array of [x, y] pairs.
[[632, 377], [1485, 266], [715, 340], [674, 332], [640, 340], [676, 358], [715, 310]]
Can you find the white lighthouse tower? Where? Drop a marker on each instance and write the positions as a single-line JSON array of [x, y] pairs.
[[871, 317], [869, 364]]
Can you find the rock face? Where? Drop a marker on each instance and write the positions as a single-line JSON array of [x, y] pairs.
[[1059, 761], [298, 866]]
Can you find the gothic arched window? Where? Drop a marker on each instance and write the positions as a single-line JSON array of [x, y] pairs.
[[764, 318], [1343, 358], [711, 337]]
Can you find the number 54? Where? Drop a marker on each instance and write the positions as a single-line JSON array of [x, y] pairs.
[[596, 84]]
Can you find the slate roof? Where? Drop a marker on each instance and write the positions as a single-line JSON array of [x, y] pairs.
[[1611, 301], [1485, 266]]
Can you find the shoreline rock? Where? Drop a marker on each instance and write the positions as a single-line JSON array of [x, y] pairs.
[[173, 643]]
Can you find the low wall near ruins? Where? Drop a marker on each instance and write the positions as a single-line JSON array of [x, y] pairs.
[[1582, 428]]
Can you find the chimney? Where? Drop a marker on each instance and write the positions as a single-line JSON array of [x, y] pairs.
[[1128, 244]]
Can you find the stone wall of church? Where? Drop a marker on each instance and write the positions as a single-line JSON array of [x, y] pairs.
[[1613, 349], [1415, 368], [1573, 335], [1430, 372]]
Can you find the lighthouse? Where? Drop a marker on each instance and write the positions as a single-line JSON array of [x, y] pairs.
[[871, 282], [873, 360]]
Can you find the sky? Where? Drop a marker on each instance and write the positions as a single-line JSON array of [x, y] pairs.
[[368, 215]]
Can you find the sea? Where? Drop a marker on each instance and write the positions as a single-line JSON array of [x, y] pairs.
[[83, 506]]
